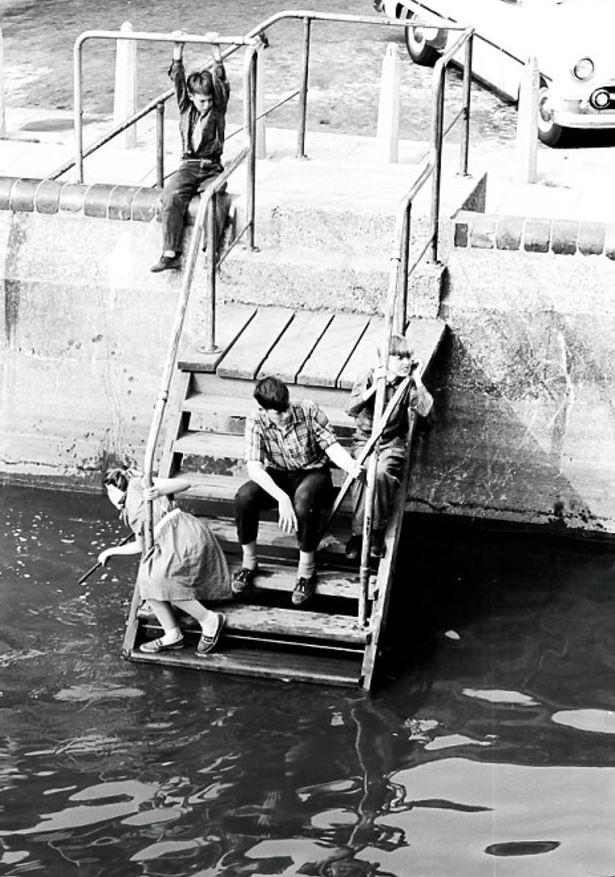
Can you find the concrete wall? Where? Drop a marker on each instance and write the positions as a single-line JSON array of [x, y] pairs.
[[526, 422], [85, 327]]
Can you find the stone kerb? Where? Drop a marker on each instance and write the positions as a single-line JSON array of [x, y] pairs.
[[562, 237]]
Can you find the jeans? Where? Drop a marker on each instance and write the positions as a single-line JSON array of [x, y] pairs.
[[388, 471], [310, 491], [176, 196]]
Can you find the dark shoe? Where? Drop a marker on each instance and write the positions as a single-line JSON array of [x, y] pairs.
[[243, 580], [208, 643], [164, 263], [376, 549], [353, 547], [304, 589], [156, 645]]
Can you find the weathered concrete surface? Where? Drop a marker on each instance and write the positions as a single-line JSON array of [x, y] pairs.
[[525, 421], [85, 331]]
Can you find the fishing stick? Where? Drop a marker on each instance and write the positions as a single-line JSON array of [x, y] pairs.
[[366, 450], [93, 569]]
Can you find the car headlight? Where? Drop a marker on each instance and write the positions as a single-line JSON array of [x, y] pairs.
[[583, 69]]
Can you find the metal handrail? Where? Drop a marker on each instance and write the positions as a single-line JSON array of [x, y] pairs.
[[400, 272], [234, 43]]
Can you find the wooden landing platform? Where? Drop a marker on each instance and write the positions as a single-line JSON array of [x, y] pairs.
[[309, 348]]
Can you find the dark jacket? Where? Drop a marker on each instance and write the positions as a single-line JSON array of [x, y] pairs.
[[213, 123]]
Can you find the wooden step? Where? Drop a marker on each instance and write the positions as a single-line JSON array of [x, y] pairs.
[[287, 667], [296, 624], [219, 446], [272, 540], [236, 409], [207, 487]]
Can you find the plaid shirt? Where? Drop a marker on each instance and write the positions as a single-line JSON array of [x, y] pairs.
[[299, 444]]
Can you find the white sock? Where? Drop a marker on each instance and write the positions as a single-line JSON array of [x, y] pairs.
[[307, 565], [171, 636], [169, 253], [249, 560]]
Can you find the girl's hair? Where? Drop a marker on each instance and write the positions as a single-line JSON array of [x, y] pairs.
[[118, 477], [200, 82], [272, 393], [399, 346]]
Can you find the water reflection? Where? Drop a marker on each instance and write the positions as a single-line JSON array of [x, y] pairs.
[[475, 755]]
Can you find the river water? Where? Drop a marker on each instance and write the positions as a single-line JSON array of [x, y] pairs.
[[488, 749]]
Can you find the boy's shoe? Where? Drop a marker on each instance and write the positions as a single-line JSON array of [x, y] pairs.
[[208, 643], [376, 549], [304, 589], [243, 580], [156, 645], [164, 263], [353, 547]]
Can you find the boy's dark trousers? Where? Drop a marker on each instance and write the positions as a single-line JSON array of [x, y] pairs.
[[176, 195], [310, 491]]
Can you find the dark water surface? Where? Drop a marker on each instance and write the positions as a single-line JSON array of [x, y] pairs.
[[488, 750], [344, 73]]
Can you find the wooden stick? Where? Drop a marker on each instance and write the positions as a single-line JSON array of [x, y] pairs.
[[366, 450], [93, 569]]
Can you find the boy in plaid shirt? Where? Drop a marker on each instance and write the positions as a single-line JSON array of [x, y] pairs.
[[288, 449]]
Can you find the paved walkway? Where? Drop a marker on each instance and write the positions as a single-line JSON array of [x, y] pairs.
[[573, 183]]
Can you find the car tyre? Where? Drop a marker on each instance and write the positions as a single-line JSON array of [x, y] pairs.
[[549, 132], [418, 48]]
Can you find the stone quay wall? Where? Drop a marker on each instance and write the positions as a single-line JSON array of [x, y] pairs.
[[524, 426], [526, 420]]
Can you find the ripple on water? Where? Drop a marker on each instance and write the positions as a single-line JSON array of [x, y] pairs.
[[597, 721], [496, 695]]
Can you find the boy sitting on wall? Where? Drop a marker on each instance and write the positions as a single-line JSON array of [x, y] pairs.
[[202, 99], [393, 442]]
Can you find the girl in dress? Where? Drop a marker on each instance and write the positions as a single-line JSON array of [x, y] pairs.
[[184, 566]]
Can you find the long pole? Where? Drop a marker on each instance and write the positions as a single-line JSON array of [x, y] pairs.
[[438, 125], [78, 109], [211, 274]]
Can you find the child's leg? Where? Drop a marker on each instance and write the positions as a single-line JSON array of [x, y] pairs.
[[390, 465], [176, 196], [164, 613], [207, 619]]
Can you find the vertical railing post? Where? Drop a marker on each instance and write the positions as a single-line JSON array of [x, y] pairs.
[[78, 109], [402, 309], [438, 128], [250, 72], [211, 259], [303, 93], [2, 104], [160, 144], [465, 129]]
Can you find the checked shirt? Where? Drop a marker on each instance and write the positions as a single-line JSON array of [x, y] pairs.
[[300, 443]]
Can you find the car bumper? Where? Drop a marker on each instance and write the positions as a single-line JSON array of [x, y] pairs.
[[590, 119]]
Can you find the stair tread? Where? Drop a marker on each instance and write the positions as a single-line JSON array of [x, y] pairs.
[[271, 536], [299, 623], [222, 488], [230, 406], [271, 665], [213, 444]]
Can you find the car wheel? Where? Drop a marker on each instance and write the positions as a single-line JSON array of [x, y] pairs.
[[549, 132], [418, 49]]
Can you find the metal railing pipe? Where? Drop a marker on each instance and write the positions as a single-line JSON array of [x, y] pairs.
[[467, 82], [180, 314], [303, 91], [211, 276], [402, 309], [437, 137], [160, 113], [78, 111], [250, 72]]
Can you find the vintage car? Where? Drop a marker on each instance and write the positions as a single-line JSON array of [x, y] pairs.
[[571, 40]]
